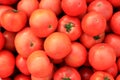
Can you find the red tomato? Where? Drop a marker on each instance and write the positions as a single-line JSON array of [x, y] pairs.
[[89, 1], [79, 6], [46, 22], [103, 7], [118, 64], [7, 63], [3, 8], [66, 73], [54, 5], [8, 2], [71, 26], [85, 73], [114, 41], [77, 56], [100, 75], [13, 20], [5, 79], [115, 3], [57, 45], [28, 6], [92, 39], [118, 77], [2, 41], [93, 23], [21, 64], [26, 42], [9, 40], [22, 77], [115, 22], [101, 56], [39, 64]]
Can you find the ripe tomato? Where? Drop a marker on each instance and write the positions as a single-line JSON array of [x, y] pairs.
[[118, 77], [54, 5], [79, 6], [89, 1], [46, 22], [8, 2], [39, 64], [2, 41], [57, 45], [71, 26], [26, 42], [118, 64], [114, 41], [9, 40], [85, 73], [22, 77], [100, 75], [13, 20], [21, 64], [7, 63], [93, 23], [115, 22], [115, 3], [66, 73], [3, 8], [103, 7], [28, 6], [92, 39], [77, 56], [5, 78], [101, 56]]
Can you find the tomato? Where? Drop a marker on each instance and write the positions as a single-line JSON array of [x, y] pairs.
[[22, 77], [3, 8], [89, 1], [118, 64], [118, 77], [28, 6], [79, 6], [93, 23], [100, 75], [5, 78], [2, 41], [46, 22], [77, 56], [101, 56], [66, 73], [92, 39], [115, 3], [114, 41], [7, 63], [39, 64], [115, 22], [8, 2], [103, 7], [85, 73], [21, 64], [9, 40], [13, 20], [57, 45], [71, 26], [54, 5], [26, 42]]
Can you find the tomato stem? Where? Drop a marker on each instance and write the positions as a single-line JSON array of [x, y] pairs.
[[96, 37], [14, 10], [106, 78], [68, 26], [31, 44], [50, 26], [66, 78]]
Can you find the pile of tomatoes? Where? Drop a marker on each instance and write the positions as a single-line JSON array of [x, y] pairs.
[[60, 40]]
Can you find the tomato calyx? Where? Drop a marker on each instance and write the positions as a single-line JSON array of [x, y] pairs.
[[15, 11], [96, 37], [50, 26], [106, 78], [66, 78], [68, 26]]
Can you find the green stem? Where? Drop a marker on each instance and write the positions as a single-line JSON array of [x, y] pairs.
[[68, 26], [67, 78]]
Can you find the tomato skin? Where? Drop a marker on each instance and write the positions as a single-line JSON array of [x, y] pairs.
[[92, 40], [103, 54], [118, 64], [46, 22], [103, 7], [8, 2], [26, 42], [54, 5], [22, 77], [100, 75], [77, 56], [93, 23], [5, 78], [2, 40], [13, 20], [3, 8], [66, 72], [38, 63], [21, 64], [115, 22], [71, 26], [118, 77], [6, 68], [28, 6], [57, 45], [115, 3], [79, 6]]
